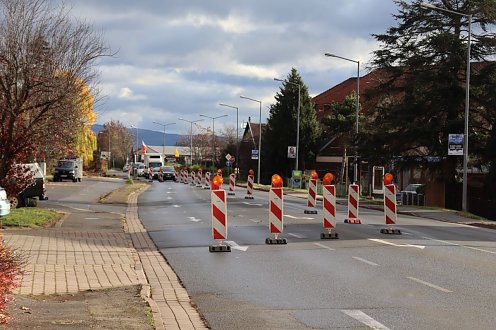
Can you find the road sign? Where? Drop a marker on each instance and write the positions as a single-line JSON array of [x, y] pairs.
[[455, 144], [232, 159], [228, 164], [254, 154], [228, 157]]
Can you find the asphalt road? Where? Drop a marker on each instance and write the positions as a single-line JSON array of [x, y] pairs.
[[436, 275]]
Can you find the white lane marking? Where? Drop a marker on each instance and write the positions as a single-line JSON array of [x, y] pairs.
[[235, 246], [255, 220], [296, 235], [364, 318], [365, 261], [91, 218], [324, 246], [477, 249], [394, 244], [254, 204], [293, 217], [455, 244], [175, 205], [169, 198], [429, 284], [194, 219]]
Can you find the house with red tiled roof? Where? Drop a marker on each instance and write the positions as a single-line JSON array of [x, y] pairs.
[[247, 145]]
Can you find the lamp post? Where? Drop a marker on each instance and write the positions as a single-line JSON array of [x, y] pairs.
[[137, 146], [297, 119], [190, 137], [259, 135], [163, 125], [467, 97], [237, 129], [355, 177], [213, 134]]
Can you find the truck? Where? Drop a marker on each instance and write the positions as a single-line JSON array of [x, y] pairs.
[[68, 168], [33, 193], [153, 160]]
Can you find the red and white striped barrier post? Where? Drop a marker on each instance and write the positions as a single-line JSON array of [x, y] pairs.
[[207, 180], [390, 205], [312, 194], [176, 176], [353, 198], [192, 178], [219, 216], [249, 185], [232, 184], [185, 176], [199, 178], [276, 213], [329, 207]]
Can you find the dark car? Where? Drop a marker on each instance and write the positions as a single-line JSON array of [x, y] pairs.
[[414, 194], [169, 173]]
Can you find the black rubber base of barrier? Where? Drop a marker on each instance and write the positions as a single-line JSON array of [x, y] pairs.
[[310, 212], [231, 193], [353, 221], [248, 197], [276, 241], [219, 248], [390, 231], [329, 236], [206, 187]]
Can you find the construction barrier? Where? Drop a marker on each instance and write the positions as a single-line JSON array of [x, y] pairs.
[[192, 178], [232, 183], [249, 187], [276, 212], [199, 178], [207, 180], [353, 198], [329, 209], [312, 194], [219, 217], [390, 205]]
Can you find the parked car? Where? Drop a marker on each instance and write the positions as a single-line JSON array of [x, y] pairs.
[[71, 169], [4, 203], [125, 168], [33, 193], [414, 194]]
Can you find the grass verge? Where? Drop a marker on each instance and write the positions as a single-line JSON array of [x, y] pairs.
[[119, 196], [31, 217]]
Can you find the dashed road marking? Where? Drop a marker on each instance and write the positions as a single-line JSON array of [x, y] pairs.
[[394, 244], [365, 261], [364, 318], [429, 284], [324, 246]]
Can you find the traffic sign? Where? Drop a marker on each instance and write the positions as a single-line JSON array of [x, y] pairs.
[[228, 164], [228, 157]]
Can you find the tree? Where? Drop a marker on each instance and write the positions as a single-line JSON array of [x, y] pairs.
[[85, 142], [281, 129], [117, 139], [423, 61], [46, 59], [227, 145], [341, 124]]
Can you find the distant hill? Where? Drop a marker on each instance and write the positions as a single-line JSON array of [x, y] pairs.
[[151, 138]]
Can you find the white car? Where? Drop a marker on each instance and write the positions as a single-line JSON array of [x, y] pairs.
[[4, 203]]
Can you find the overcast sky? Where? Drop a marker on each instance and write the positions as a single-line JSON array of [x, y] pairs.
[[179, 58]]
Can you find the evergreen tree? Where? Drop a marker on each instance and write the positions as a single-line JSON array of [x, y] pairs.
[[423, 63], [281, 129]]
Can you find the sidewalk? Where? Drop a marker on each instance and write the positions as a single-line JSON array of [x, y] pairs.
[[96, 253]]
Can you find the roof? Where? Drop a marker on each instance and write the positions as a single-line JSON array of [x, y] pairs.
[[169, 150]]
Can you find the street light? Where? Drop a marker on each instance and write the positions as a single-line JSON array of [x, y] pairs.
[[297, 119], [213, 134], [163, 125], [467, 97], [237, 129], [190, 137], [355, 177], [137, 146], [259, 135]]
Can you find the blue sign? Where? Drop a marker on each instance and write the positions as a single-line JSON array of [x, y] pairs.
[[228, 164], [254, 154], [455, 144]]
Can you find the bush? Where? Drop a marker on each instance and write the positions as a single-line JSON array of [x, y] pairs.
[[10, 268]]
